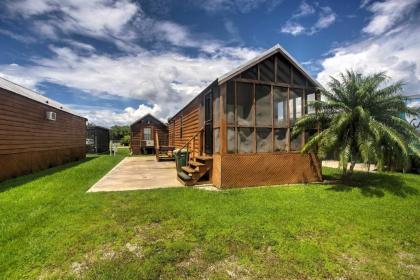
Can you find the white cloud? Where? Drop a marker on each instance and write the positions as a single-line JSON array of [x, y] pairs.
[[108, 117], [293, 28], [122, 23], [242, 6], [325, 17], [396, 52], [387, 13], [304, 10], [167, 80]]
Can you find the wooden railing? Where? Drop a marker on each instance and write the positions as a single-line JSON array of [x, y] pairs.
[[193, 144]]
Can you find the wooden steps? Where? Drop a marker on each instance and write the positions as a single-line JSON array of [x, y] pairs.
[[198, 170]]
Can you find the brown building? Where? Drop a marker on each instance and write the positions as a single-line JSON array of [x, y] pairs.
[[36, 132], [143, 135], [237, 130]]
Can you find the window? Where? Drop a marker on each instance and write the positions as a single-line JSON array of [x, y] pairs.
[[216, 140], [283, 70], [245, 104], [246, 140], [216, 110], [295, 143], [263, 105], [267, 70], [309, 98], [295, 105], [147, 133], [298, 78], [264, 140], [280, 140], [230, 102], [230, 140], [251, 73], [280, 107]]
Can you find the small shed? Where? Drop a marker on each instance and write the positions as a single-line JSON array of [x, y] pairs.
[[143, 135], [97, 139], [36, 132]]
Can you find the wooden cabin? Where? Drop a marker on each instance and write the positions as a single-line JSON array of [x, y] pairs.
[[36, 132], [237, 130], [147, 133], [97, 139]]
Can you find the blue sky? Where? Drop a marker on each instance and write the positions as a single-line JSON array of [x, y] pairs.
[[114, 61]]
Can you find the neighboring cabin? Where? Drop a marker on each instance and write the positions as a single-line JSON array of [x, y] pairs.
[[97, 139], [36, 132], [143, 135], [239, 127]]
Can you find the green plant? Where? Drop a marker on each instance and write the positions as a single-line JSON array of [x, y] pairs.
[[125, 140], [361, 120]]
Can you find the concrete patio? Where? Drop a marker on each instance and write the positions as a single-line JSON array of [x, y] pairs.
[[138, 173]]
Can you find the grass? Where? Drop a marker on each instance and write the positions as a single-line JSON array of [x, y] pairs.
[[363, 228]]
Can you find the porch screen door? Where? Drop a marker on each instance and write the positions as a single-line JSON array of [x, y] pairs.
[[208, 123]]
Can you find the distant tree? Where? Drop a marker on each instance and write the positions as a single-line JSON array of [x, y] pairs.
[[361, 120], [125, 140], [118, 132]]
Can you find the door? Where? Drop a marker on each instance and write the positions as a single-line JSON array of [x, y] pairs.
[[208, 123]]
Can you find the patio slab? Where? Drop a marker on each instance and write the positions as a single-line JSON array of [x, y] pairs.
[[138, 173]]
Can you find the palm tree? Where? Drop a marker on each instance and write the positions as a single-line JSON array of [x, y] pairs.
[[360, 119]]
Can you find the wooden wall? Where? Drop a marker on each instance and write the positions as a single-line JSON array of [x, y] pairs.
[[190, 119], [137, 133], [29, 142]]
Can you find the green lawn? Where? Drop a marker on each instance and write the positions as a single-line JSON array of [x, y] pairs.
[[50, 227]]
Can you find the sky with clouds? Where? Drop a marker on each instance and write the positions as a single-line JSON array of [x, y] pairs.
[[115, 61]]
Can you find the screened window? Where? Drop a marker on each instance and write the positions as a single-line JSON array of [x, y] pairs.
[[246, 140], [216, 140], [283, 70], [309, 98], [251, 73], [245, 104], [298, 78], [264, 140], [230, 103], [230, 140], [295, 105], [263, 105], [147, 133], [267, 70], [280, 106], [295, 143], [216, 110], [280, 140]]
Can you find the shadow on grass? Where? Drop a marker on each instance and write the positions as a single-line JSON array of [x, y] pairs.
[[20, 180], [372, 184]]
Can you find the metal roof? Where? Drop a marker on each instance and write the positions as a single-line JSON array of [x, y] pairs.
[[275, 49], [23, 91]]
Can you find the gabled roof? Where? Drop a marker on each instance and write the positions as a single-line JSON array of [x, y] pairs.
[[275, 49], [150, 116], [20, 90]]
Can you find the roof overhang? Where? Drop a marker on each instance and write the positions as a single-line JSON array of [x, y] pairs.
[[275, 49], [25, 92]]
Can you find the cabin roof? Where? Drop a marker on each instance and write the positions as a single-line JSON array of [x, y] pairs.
[[148, 115], [273, 50], [28, 93]]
